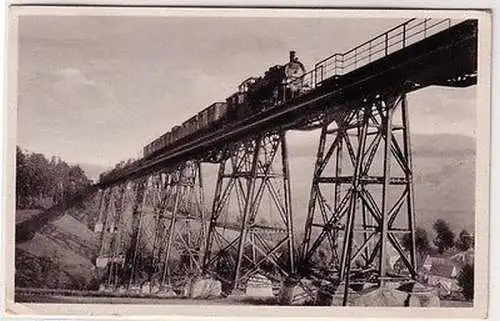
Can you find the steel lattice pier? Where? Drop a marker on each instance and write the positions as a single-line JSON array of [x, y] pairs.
[[244, 180], [361, 201]]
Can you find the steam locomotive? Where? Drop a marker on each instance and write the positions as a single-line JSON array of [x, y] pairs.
[[279, 83], [256, 94]]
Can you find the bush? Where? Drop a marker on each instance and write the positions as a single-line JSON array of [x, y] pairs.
[[445, 238], [466, 281]]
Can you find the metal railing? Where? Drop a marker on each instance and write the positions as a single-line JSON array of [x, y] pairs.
[[395, 39]]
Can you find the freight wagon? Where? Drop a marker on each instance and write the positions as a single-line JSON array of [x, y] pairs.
[[208, 119]]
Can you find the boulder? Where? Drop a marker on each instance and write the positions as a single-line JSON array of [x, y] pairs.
[[155, 289], [397, 298], [292, 293], [205, 288], [108, 288], [424, 300], [98, 227], [187, 289], [166, 293], [324, 294], [382, 297], [236, 294], [134, 289], [146, 288], [101, 262], [259, 286]]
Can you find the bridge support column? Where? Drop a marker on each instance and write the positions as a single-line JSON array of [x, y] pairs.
[[245, 237], [101, 260], [103, 225], [172, 236], [144, 227], [132, 250], [112, 234], [154, 229], [361, 201], [120, 207], [103, 199]]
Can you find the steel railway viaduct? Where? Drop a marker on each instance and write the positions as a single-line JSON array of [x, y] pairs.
[[154, 223]]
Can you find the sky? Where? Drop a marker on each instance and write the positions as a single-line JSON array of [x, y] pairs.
[[95, 89]]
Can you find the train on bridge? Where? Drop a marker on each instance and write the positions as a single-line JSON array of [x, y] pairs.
[[255, 94]]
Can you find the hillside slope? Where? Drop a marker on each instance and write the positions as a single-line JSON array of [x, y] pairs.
[[60, 253]]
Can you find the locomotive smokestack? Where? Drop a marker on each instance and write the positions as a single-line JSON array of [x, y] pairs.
[[292, 55]]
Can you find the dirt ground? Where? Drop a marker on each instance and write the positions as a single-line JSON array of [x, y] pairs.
[[236, 300], [456, 304], [231, 300]]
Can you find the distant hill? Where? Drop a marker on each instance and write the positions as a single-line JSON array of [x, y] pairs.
[[440, 145], [444, 174], [92, 170], [444, 170], [445, 180]]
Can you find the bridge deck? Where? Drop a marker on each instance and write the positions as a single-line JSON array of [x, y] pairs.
[[447, 58]]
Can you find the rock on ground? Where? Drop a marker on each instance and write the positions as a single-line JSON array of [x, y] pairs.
[[259, 286], [146, 288], [397, 298], [205, 288], [294, 294], [166, 293]]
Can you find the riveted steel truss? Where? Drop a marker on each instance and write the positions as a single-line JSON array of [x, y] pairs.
[[171, 229], [115, 203], [361, 200], [245, 237], [154, 229]]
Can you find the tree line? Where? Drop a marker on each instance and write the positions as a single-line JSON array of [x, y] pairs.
[[42, 182], [444, 240]]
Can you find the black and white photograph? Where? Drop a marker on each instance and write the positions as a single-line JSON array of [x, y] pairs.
[[248, 158]]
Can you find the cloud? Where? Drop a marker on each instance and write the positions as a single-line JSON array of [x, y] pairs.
[[73, 75], [73, 89]]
